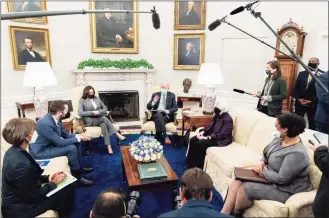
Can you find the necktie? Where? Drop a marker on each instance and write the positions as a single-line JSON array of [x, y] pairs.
[[164, 97], [308, 81], [58, 129]]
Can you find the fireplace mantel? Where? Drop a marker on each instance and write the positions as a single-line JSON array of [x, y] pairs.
[[119, 79]]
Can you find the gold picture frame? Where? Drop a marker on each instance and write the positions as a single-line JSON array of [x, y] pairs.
[[20, 36], [194, 19], [189, 51], [125, 23], [17, 6]]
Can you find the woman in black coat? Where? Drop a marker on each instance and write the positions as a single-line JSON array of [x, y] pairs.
[[321, 159], [23, 194]]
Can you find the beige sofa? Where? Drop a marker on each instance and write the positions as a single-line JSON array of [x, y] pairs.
[[252, 132], [56, 164]]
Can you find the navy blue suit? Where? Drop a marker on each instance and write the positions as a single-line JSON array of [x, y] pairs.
[[195, 208], [322, 114], [54, 141], [309, 93]]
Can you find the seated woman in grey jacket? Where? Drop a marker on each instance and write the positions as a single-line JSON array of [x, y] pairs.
[[94, 112], [284, 163]]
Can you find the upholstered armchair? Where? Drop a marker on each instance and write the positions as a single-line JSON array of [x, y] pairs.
[[93, 131]]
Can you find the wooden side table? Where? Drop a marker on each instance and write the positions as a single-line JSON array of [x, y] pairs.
[[197, 119], [68, 124], [22, 106]]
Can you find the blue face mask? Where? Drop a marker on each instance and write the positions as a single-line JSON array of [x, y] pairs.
[[164, 91]]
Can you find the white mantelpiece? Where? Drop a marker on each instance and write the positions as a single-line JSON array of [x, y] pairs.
[[119, 80]]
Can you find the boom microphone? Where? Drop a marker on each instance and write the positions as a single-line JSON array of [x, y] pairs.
[[241, 8], [242, 92], [216, 23], [155, 19]]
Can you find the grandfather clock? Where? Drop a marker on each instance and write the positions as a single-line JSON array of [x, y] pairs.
[[294, 37]]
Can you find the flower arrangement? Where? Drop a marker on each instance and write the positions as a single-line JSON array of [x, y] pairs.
[[146, 149]]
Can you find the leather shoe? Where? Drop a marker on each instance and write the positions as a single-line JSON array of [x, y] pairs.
[[85, 182], [87, 170]]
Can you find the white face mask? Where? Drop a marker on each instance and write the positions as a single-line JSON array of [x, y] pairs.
[[34, 137]]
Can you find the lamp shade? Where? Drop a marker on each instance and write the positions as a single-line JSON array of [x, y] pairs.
[[210, 74], [39, 74]]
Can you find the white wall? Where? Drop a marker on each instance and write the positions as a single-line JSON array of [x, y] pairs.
[[242, 58]]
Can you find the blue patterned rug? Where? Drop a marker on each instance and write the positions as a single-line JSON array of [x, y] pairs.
[[108, 174]]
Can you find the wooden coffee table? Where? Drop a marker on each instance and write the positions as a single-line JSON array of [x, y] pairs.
[[130, 172]]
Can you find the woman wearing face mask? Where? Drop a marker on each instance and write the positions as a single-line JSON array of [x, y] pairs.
[[284, 163], [274, 91], [94, 112], [217, 133], [23, 194]]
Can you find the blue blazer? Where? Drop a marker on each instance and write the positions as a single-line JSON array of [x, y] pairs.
[[322, 114], [49, 135], [195, 208]]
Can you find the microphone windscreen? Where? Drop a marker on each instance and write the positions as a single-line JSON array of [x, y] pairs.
[[238, 10], [238, 90], [155, 20], [214, 25]]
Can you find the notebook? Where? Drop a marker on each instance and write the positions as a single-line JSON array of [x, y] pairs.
[[249, 175], [150, 172], [321, 138], [43, 163], [69, 179]]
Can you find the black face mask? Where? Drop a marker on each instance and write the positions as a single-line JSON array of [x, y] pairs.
[[268, 72], [217, 110], [91, 96], [313, 65]]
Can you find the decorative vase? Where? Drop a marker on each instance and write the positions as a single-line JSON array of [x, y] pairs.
[[146, 149]]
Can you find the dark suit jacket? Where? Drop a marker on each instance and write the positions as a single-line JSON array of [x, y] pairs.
[[322, 114], [195, 208], [278, 93], [320, 204], [31, 6], [25, 56], [191, 19], [300, 91], [221, 129], [21, 183], [170, 104], [190, 59], [49, 136]]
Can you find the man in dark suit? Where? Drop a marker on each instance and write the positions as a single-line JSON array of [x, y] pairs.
[[110, 33], [28, 55], [54, 141], [189, 56], [322, 115], [28, 6], [190, 17], [163, 106], [305, 93], [196, 194]]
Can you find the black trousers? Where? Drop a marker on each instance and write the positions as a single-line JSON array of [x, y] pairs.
[[264, 110], [62, 202], [309, 110], [160, 119], [197, 151]]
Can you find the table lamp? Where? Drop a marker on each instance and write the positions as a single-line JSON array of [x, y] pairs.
[[39, 75], [210, 74]]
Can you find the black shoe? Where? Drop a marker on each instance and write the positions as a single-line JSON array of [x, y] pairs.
[[87, 170], [85, 182]]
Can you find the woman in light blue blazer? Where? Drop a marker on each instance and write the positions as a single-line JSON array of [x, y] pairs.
[[94, 112]]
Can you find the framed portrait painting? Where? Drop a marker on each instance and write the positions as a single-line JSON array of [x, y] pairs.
[[189, 51], [114, 32], [190, 15], [28, 6], [29, 45]]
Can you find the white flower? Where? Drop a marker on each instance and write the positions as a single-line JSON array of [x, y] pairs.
[[136, 157], [141, 152], [146, 151], [140, 158], [159, 155], [153, 157], [147, 157], [151, 150]]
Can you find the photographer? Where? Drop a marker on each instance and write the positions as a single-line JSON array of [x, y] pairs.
[[321, 159], [195, 192], [111, 204]]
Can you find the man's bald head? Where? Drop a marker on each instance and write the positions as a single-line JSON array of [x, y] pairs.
[[164, 85], [109, 204], [314, 60]]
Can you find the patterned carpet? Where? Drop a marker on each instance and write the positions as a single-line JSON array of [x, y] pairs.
[[108, 173]]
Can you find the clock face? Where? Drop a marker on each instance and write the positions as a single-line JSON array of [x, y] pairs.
[[291, 39]]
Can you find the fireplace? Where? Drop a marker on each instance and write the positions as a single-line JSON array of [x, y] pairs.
[[124, 105]]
